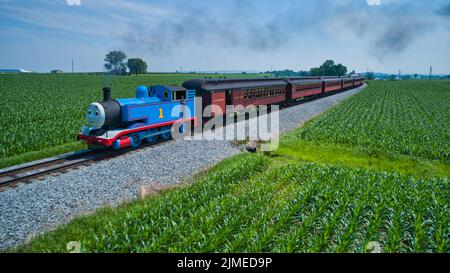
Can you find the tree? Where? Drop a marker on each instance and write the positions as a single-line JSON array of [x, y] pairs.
[[303, 73], [370, 75], [340, 70], [288, 73], [316, 71], [137, 66], [115, 62], [329, 68]]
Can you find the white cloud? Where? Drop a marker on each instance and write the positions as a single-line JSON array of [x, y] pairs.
[[374, 2], [73, 2]]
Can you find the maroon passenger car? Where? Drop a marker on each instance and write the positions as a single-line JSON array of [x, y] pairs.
[[358, 81], [222, 92], [331, 84], [300, 87], [347, 83]]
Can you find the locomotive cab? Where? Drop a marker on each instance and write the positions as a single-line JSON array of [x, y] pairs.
[[172, 93]]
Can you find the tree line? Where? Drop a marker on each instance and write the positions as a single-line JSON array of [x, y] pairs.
[[328, 68], [116, 65]]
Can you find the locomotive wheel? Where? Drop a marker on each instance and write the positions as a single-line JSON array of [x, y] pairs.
[[135, 140], [151, 138], [167, 135]]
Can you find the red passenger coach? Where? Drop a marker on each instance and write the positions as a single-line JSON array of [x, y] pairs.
[[347, 83], [265, 91], [331, 84], [299, 87], [358, 81], [222, 92]]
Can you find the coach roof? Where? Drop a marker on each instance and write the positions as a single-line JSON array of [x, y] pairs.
[[221, 84], [302, 81], [175, 87]]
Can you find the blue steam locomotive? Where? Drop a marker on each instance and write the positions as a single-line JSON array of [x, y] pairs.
[[126, 122]]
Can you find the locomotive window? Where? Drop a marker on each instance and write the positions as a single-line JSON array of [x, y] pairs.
[[179, 95], [166, 94]]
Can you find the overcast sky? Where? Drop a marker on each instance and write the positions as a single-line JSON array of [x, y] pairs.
[[379, 35]]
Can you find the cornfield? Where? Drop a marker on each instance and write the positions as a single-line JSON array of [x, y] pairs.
[[410, 118], [249, 205]]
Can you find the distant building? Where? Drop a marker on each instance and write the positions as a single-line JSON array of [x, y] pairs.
[[14, 70], [56, 71]]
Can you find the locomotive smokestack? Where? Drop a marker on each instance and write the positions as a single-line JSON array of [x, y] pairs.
[[106, 93]]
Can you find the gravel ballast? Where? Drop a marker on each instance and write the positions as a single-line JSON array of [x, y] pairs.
[[34, 208]]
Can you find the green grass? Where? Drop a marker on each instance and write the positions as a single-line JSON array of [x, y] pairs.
[[330, 153], [254, 204], [40, 114], [36, 155]]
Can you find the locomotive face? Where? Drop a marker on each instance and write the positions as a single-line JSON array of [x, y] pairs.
[[96, 115]]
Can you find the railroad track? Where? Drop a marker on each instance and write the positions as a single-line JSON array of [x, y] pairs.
[[14, 177]]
